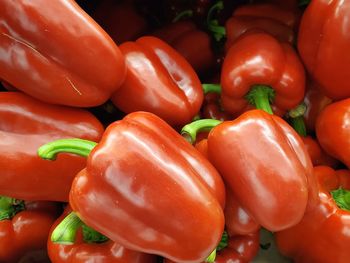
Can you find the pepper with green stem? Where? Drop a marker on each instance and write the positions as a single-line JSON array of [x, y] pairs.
[[129, 192], [260, 70], [24, 227], [263, 162]]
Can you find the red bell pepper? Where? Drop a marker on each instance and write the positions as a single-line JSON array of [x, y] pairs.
[[322, 39], [57, 53], [237, 26], [315, 102], [147, 189], [120, 20], [333, 131], [24, 227], [259, 69], [264, 162], [193, 44], [211, 108], [235, 249], [237, 220], [317, 155], [322, 234], [90, 246], [159, 80], [26, 124], [269, 18], [286, 16]]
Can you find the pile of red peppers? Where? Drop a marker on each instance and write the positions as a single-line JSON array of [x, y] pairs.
[[139, 131]]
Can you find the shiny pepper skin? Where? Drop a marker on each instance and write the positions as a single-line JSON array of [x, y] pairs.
[[146, 188], [265, 164], [56, 53]]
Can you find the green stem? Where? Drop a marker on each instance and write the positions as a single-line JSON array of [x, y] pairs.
[[342, 198], [92, 236], [189, 131], [211, 258], [65, 232], [80, 147], [297, 119], [261, 96], [213, 24], [9, 207], [299, 125], [223, 243], [214, 88], [183, 14]]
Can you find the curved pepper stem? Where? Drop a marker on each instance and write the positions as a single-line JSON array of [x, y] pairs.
[[211, 257], [189, 131], [184, 14], [213, 24], [9, 207], [261, 96], [297, 119], [342, 198], [223, 243], [66, 231], [213, 88], [80, 147]]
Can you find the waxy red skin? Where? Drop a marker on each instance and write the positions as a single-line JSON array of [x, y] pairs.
[[315, 102], [82, 252], [323, 37], [57, 53], [159, 80], [146, 188], [265, 164], [321, 236], [333, 131], [317, 155], [27, 231], [237, 220], [26, 124], [240, 249], [260, 59]]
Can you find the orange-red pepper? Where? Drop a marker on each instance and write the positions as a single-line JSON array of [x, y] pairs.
[[333, 131], [57, 53], [24, 227], [159, 80], [322, 39], [141, 180], [322, 234], [26, 124]]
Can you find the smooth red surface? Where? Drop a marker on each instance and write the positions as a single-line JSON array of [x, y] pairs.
[[333, 130], [146, 188], [265, 164], [315, 102], [322, 234], [57, 53], [323, 38], [27, 231], [240, 249], [260, 59], [237, 220], [26, 124], [82, 252], [159, 80], [317, 154]]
